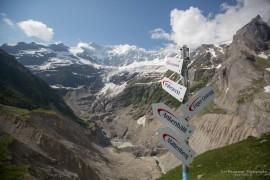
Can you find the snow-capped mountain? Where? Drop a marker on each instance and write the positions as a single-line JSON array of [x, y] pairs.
[[84, 53], [76, 67], [89, 64], [118, 55]]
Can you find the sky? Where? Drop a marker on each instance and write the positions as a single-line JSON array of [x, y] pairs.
[[149, 24]]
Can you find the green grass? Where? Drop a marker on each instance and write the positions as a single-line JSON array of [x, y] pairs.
[[47, 111], [201, 78], [235, 161], [20, 113], [197, 86], [212, 109], [261, 63], [7, 169]]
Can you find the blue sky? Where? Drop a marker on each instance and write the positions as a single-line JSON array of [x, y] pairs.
[[145, 23]]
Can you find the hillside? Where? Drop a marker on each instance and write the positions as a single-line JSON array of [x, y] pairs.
[[41, 141], [248, 159], [20, 88], [37, 127]]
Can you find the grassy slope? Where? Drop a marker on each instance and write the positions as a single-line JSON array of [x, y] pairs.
[[231, 162], [20, 88], [8, 170]]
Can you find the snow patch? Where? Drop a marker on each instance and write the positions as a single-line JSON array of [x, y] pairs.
[[122, 49], [267, 69], [149, 83], [34, 52], [87, 46], [218, 66], [125, 144], [75, 50], [262, 55], [58, 86], [221, 49], [141, 121], [212, 51], [11, 44], [209, 67], [267, 89], [111, 89], [120, 145], [55, 62]]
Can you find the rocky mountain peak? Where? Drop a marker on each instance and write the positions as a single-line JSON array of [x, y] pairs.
[[59, 47], [255, 35]]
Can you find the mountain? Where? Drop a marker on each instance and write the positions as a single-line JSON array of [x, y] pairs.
[[239, 73], [40, 135], [114, 87], [22, 89], [86, 65], [240, 108], [40, 138]]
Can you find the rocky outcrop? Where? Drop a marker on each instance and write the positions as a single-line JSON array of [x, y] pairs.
[[240, 83], [52, 147], [254, 36]]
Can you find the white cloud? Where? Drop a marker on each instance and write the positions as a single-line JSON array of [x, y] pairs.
[[8, 22], [191, 27], [159, 34], [36, 29]]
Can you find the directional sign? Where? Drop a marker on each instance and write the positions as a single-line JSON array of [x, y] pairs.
[[198, 102], [176, 90], [176, 145], [174, 64], [177, 123]]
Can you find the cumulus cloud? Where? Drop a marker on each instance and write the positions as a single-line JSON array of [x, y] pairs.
[[36, 29], [159, 34], [191, 27]]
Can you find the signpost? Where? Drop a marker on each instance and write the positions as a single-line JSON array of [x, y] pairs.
[[176, 90], [175, 138], [198, 102], [177, 123], [176, 145], [174, 64]]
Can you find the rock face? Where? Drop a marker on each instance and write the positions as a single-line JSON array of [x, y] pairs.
[[240, 83], [48, 137], [255, 35], [51, 146]]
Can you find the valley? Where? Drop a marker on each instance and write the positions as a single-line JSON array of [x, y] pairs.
[[111, 89]]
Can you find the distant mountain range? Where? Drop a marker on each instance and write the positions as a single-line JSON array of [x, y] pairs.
[[33, 54]]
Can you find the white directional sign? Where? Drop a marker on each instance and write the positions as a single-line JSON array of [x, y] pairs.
[[176, 145], [174, 64], [198, 102], [177, 123], [176, 90]]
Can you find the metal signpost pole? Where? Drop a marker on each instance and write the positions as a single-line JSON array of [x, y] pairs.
[[185, 82]]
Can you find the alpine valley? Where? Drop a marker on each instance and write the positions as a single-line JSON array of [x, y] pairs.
[[111, 90]]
